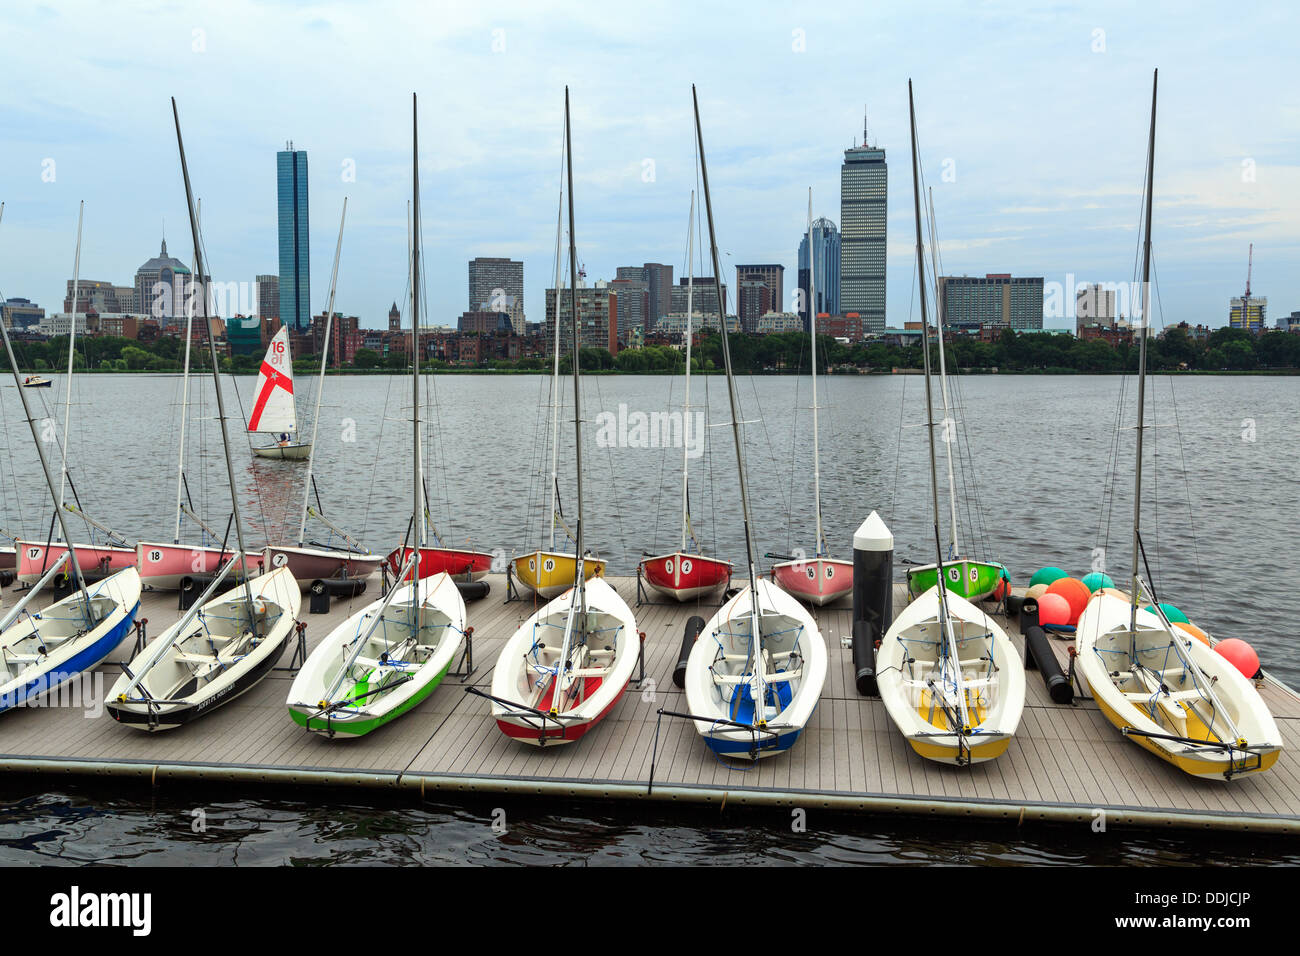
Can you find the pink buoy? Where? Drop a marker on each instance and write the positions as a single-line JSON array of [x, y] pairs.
[[1240, 655], [1053, 609]]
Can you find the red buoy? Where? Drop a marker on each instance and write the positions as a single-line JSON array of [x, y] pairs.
[[1240, 655]]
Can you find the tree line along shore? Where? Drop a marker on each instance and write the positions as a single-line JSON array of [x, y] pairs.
[[1224, 350]]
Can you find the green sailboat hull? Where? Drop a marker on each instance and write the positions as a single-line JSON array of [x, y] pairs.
[[359, 728], [973, 580]]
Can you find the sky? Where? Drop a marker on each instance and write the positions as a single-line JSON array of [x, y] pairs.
[[1032, 120]]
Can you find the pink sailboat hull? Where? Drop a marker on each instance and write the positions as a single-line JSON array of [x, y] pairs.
[[33, 560], [312, 564], [817, 581], [163, 566], [685, 576]]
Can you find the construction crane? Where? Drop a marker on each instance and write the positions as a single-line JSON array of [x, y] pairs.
[[1250, 264]]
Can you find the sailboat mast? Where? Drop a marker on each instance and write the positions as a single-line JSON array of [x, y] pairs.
[[1142, 354], [726, 358], [579, 571], [417, 483], [216, 366], [555, 362], [320, 387], [686, 401], [948, 437], [72, 338], [925, 350], [45, 467], [812, 326], [185, 403]]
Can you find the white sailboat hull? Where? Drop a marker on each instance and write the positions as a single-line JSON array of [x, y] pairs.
[[585, 695], [793, 654], [920, 696], [1161, 696]]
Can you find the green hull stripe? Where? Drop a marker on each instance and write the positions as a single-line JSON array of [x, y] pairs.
[[358, 728]]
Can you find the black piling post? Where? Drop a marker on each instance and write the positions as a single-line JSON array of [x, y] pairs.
[[873, 598]]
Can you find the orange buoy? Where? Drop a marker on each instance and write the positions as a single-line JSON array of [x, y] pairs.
[[1075, 592], [1240, 655], [1194, 631]]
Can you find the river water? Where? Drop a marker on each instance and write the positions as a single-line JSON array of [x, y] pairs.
[[1043, 471]]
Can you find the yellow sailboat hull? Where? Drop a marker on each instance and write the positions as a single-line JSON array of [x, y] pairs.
[[549, 574]]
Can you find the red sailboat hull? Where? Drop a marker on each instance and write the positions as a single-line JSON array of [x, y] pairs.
[[685, 576], [817, 581], [460, 564]]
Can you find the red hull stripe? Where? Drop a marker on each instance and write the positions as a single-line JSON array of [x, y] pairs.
[[568, 732]]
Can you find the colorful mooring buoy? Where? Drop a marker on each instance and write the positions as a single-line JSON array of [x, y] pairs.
[[1240, 655], [1098, 580], [1075, 592], [1046, 576]]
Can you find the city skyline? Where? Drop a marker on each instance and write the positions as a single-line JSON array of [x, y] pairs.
[[1055, 194]]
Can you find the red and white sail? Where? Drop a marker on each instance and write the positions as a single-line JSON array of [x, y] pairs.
[[274, 411]]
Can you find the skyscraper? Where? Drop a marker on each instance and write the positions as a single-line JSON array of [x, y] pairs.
[[268, 297], [772, 276], [659, 279], [497, 285], [295, 273], [826, 242], [162, 286], [864, 193]]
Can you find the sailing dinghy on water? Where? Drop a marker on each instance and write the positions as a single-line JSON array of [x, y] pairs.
[[820, 579], [685, 575], [1166, 691], [949, 677], [755, 673], [274, 411], [391, 655], [224, 645], [566, 667]]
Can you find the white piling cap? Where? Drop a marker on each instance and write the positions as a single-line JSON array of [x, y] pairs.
[[873, 535]]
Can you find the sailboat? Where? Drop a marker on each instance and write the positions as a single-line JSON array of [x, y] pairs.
[[41, 651], [224, 645], [463, 564], [566, 667], [548, 571], [114, 553], [820, 579], [391, 655], [755, 673], [973, 579], [274, 411], [163, 566], [950, 678], [1166, 691], [310, 562], [686, 574]]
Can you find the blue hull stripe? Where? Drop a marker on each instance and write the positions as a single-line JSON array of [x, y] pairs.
[[85, 660], [783, 742]]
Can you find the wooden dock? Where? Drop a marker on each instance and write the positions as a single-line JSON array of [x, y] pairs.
[[1065, 764]]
